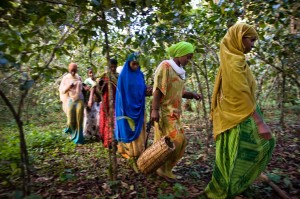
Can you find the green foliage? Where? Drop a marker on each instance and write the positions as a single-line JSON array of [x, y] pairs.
[[274, 177], [163, 185], [66, 175], [195, 175], [165, 196], [33, 196], [40, 141], [10, 156], [10, 148], [287, 182], [27, 85], [278, 46], [19, 195], [180, 191]]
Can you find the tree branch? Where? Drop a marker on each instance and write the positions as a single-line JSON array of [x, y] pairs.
[[10, 106], [260, 56], [3, 80], [58, 3], [68, 4], [59, 44], [21, 103]]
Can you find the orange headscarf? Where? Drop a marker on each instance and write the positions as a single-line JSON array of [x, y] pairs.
[[233, 97]]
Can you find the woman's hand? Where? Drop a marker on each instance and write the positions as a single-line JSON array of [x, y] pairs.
[[87, 88], [191, 95], [90, 103], [264, 131], [154, 115], [149, 91], [197, 96], [69, 88], [157, 95], [71, 85]]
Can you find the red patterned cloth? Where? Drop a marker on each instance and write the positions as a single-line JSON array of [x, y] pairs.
[[105, 119]]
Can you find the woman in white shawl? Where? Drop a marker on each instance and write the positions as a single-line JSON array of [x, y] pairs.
[[70, 91]]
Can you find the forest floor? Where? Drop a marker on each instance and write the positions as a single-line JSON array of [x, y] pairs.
[[62, 170]]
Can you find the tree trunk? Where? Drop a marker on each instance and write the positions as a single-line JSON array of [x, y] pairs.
[[25, 171], [200, 88], [209, 135], [207, 85], [283, 99], [270, 89], [113, 149], [261, 82]]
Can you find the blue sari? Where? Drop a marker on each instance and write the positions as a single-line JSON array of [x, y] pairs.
[[130, 103]]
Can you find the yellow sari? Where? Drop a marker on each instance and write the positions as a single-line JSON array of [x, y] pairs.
[[241, 154], [233, 97]]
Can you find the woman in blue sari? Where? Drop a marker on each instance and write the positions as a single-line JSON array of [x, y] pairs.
[[130, 109]]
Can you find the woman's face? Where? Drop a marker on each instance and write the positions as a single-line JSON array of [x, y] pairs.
[[184, 60], [73, 70], [248, 43], [90, 74], [134, 65], [113, 68]]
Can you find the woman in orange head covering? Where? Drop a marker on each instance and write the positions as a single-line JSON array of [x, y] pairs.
[[70, 91], [244, 143]]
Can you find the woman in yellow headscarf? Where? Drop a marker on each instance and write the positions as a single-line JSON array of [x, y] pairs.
[[168, 90], [244, 143]]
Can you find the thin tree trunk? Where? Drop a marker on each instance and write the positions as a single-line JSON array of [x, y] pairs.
[[269, 90], [260, 83], [282, 100], [200, 88], [207, 85], [209, 135], [25, 172], [23, 147], [113, 149], [187, 104]]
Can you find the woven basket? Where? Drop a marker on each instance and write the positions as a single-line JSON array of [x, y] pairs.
[[154, 156]]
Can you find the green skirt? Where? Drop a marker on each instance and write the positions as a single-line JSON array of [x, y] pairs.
[[75, 121], [241, 155]]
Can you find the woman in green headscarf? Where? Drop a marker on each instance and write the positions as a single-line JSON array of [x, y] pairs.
[[168, 90], [244, 143]]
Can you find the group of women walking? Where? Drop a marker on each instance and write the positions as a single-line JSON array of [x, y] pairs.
[[244, 143], [86, 116]]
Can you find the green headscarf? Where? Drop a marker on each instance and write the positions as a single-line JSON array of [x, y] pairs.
[[180, 49]]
